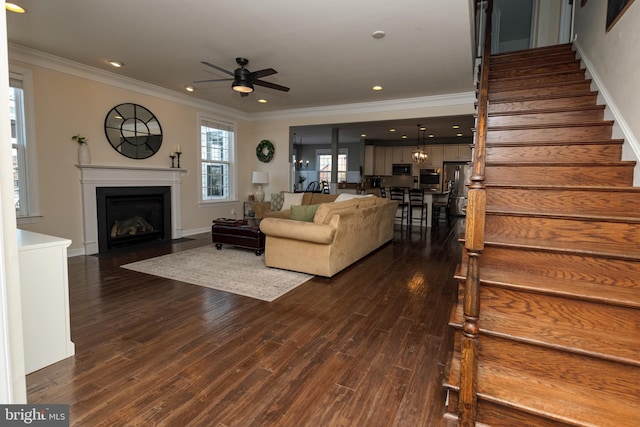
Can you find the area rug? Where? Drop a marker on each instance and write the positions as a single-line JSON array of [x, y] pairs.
[[234, 270]]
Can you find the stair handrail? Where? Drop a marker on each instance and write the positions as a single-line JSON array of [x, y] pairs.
[[474, 241]]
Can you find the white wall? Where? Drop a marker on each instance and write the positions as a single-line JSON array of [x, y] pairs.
[[613, 59]]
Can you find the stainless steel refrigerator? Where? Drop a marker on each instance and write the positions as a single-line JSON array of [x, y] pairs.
[[456, 178]]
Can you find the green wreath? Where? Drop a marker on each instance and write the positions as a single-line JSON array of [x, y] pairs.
[[265, 156]]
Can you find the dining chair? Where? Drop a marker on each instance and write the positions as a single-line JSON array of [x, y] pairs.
[[397, 194]]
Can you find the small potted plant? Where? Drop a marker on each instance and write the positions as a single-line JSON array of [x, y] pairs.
[[84, 157]]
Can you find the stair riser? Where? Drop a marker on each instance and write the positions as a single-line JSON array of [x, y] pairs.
[[540, 119], [525, 82], [582, 87], [533, 70], [549, 201], [506, 312], [543, 104], [609, 272], [528, 62], [569, 133], [530, 54], [562, 230], [619, 176], [555, 153], [494, 415]]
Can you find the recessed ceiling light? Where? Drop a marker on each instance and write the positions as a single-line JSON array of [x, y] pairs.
[[455, 127], [12, 7], [431, 135], [392, 130], [377, 88], [458, 134], [262, 101], [116, 64], [423, 128], [189, 88], [378, 34], [362, 135], [404, 136]]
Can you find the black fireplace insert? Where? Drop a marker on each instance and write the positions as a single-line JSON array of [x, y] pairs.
[[129, 216]]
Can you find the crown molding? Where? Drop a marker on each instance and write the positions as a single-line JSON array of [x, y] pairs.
[[452, 99], [55, 63]]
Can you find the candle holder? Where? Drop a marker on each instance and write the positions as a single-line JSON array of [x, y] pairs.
[[178, 155], [172, 160]]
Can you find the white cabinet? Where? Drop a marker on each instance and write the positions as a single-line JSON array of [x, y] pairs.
[[402, 154], [436, 156], [457, 153], [369, 159], [383, 161], [44, 290]]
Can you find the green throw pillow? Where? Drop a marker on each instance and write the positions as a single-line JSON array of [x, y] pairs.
[[303, 212]]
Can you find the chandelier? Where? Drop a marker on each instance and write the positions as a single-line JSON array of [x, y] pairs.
[[419, 154]]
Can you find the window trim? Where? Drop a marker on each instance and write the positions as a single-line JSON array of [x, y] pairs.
[[232, 162], [325, 152], [26, 76]]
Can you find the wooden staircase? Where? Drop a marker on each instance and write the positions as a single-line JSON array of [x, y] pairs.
[[559, 324]]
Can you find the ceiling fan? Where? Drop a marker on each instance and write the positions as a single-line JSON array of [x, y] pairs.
[[243, 79]]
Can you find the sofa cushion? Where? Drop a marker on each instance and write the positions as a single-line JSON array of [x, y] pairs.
[[277, 199], [327, 210], [291, 199], [303, 212], [365, 202], [347, 196]]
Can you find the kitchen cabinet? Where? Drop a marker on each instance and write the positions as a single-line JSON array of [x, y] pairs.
[[383, 161], [436, 156], [457, 153], [369, 160], [402, 154]]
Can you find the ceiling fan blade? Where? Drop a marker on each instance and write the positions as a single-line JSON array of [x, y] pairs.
[[217, 68], [263, 73], [270, 85], [214, 80]]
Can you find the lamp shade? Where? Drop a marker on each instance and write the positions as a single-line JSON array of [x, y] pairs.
[[260, 177]]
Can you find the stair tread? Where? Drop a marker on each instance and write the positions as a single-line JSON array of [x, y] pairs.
[[579, 76], [555, 143], [608, 332], [569, 287], [553, 125], [599, 249], [553, 96], [538, 85], [570, 188], [556, 386], [546, 110], [563, 164], [573, 215]]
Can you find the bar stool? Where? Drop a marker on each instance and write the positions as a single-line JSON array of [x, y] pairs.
[[416, 200], [439, 206], [397, 193]]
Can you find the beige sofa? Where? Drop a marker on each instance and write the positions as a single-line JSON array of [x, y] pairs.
[[341, 233], [263, 209]]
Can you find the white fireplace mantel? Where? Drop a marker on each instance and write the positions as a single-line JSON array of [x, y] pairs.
[[94, 176]]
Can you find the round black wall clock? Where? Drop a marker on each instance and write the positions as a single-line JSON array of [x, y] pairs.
[[133, 131], [265, 151]]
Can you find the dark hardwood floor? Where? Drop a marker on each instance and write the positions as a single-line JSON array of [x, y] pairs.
[[365, 348]]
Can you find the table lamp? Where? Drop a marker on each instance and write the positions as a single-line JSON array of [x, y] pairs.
[[260, 177]]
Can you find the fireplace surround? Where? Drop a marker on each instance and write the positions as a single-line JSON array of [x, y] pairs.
[[93, 177]]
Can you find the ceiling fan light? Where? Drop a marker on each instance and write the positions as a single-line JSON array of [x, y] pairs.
[[242, 86]]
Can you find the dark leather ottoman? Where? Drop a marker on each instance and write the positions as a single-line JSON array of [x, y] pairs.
[[241, 233]]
